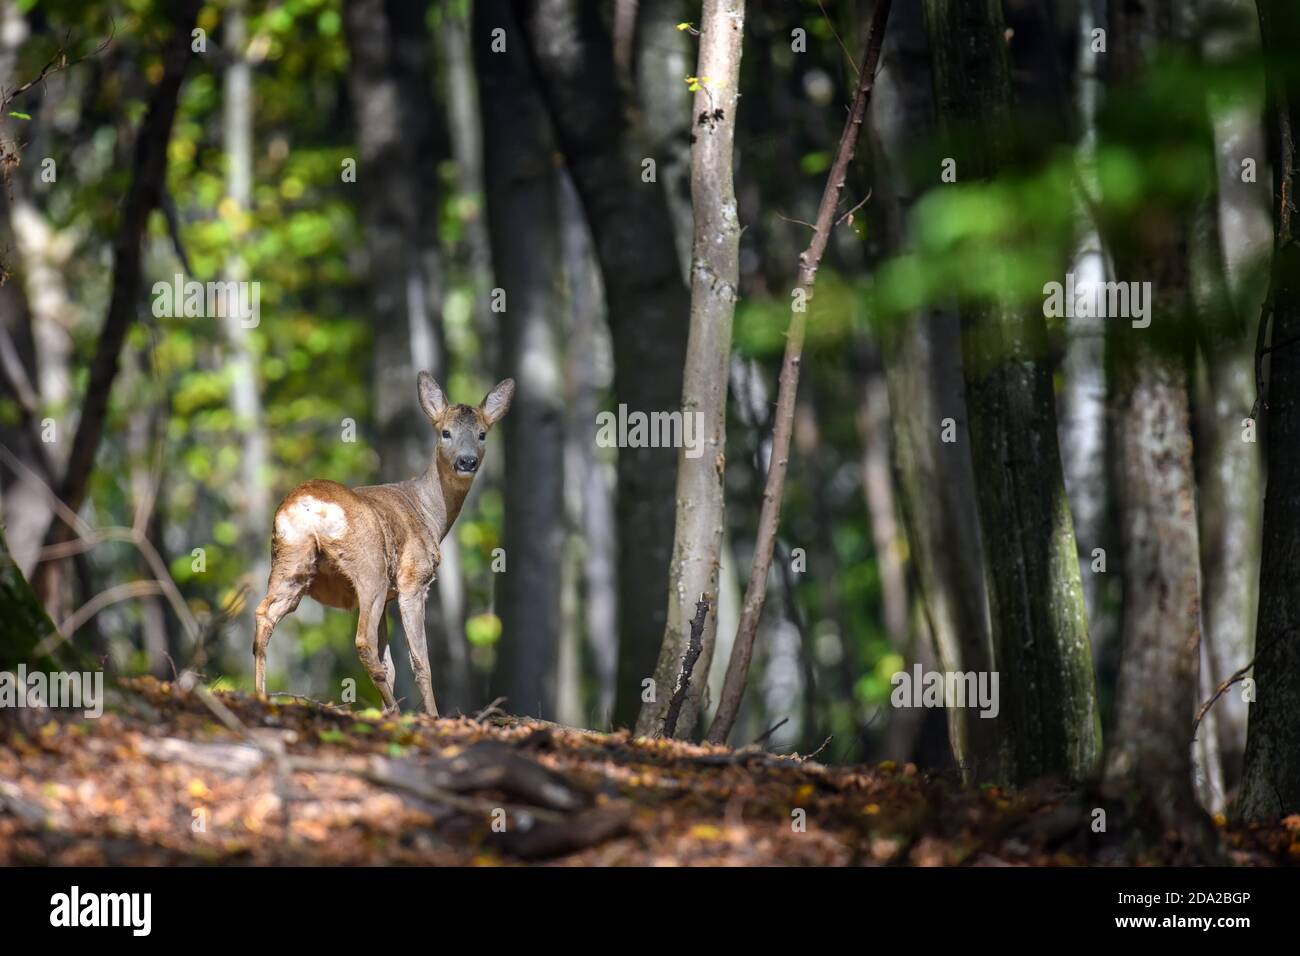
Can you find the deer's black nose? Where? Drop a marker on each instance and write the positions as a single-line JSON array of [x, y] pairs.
[[467, 463]]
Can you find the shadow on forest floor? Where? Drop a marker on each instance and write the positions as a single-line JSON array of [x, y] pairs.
[[173, 777]]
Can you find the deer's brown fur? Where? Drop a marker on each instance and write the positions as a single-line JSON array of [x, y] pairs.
[[359, 548]]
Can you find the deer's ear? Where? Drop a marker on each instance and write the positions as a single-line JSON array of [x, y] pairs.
[[497, 402], [432, 400]]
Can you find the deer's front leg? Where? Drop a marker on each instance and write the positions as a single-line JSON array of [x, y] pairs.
[[412, 607]]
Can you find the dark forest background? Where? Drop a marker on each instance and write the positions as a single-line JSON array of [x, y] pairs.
[[1077, 503]]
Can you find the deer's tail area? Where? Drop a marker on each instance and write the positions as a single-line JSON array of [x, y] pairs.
[[309, 522]]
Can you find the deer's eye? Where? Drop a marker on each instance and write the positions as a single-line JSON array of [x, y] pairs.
[[445, 433], [482, 436]]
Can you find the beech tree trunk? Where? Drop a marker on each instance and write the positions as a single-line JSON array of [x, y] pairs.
[[922, 359], [1270, 787], [1038, 620], [646, 300], [715, 273], [1230, 470], [523, 228], [1150, 749], [769, 518]]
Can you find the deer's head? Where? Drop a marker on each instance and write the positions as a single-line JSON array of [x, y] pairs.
[[462, 430]]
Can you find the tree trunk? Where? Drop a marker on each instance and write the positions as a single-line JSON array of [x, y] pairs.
[[590, 494], [922, 358], [788, 384], [715, 272], [252, 499], [1038, 620], [148, 173], [1155, 490], [523, 228], [646, 303], [400, 141], [23, 623], [663, 58], [1270, 786], [1230, 471]]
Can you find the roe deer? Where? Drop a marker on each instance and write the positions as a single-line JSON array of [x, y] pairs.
[[362, 547]]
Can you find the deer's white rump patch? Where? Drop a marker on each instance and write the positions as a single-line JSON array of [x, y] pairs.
[[310, 516]]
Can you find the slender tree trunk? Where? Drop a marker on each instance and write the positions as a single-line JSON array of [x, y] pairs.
[[715, 273], [523, 226], [148, 173], [590, 493], [769, 517], [252, 497], [1081, 404], [1270, 787], [922, 359], [646, 299], [1229, 498], [1230, 470]]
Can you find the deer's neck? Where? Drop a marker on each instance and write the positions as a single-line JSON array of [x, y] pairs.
[[443, 495]]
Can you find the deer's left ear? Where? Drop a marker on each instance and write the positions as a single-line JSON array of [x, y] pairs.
[[497, 402], [432, 400]]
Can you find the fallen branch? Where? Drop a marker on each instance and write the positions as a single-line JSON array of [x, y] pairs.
[[742, 650]]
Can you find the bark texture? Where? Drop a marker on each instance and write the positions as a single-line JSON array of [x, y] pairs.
[[523, 229], [715, 274], [1155, 489], [1270, 785], [645, 295], [1230, 470], [1036, 609], [769, 518], [922, 359]]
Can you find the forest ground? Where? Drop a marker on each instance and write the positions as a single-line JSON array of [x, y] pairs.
[[173, 776]]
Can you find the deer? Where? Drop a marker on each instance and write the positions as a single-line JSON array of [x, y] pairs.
[[360, 548]]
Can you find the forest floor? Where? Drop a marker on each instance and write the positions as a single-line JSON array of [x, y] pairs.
[[169, 776]]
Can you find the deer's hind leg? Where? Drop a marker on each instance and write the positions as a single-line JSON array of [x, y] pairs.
[[368, 625], [292, 570]]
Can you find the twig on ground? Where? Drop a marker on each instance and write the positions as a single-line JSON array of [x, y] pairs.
[[490, 710], [825, 743]]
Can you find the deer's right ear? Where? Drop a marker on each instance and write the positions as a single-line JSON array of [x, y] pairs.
[[432, 400]]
